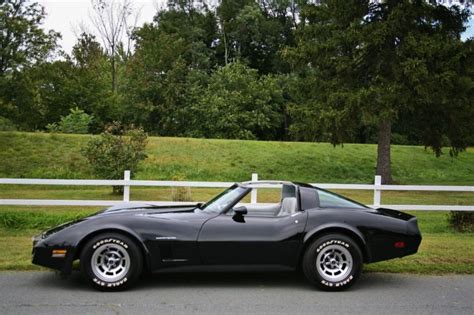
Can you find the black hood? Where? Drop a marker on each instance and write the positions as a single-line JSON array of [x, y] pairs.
[[147, 208]]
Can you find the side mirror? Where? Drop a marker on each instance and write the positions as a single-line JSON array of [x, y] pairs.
[[240, 210], [239, 214]]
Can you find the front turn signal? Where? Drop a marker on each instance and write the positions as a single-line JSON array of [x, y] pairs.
[[59, 253]]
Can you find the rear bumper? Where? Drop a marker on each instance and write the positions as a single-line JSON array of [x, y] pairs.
[[386, 245], [414, 237]]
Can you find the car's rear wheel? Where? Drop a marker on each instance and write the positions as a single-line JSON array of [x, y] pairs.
[[111, 261], [332, 262]]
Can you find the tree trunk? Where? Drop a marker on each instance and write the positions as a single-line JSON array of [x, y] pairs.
[[225, 50], [114, 80], [384, 168]]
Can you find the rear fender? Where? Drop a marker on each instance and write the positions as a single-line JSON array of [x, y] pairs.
[[339, 228]]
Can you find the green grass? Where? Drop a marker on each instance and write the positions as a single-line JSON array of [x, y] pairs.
[[16, 250], [38, 155]]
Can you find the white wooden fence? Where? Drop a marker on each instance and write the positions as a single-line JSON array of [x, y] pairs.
[[127, 183]]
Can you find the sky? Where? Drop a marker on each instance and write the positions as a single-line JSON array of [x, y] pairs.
[[65, 16], [470, 30]]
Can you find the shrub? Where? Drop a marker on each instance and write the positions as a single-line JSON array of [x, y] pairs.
[[6, 124], [76, 122], [180, 193], [462, 221], [53, 127], [115, 150], [399, 139]]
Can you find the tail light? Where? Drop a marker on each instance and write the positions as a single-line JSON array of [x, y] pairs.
[[399, 244]]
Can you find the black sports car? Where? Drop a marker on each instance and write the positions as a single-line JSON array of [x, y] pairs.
[[326, 235]]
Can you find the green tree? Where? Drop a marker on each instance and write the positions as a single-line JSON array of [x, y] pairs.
[[254, 32], [238, 104], [88, 86], [42, 94], [364, 63], [23, 44], [76, 122], [115, 150], [173, 54], [23, 40]]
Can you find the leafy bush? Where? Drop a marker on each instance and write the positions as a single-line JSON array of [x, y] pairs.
[[6, 124], [116, 150], [76, 122], [400, 139], [462, 221]]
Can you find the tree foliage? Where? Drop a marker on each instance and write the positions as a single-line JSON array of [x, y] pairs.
[[238, 104], [23, 45], [23, 41], [373, 63], [255, 32], [172, 55], [76, 122]]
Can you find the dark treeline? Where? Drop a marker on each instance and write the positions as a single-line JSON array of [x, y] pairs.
[[337, 71]]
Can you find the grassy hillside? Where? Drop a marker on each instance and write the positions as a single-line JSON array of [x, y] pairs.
[[40, 155], [58, 156]]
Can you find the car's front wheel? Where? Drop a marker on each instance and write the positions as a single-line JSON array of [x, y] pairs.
[[333, 262], [111, 261]]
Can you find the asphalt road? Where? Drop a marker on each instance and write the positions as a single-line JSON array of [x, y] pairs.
[[236, 293]]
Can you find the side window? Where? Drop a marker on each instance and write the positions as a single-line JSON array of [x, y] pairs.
[[329, 200], [309, 198], [268, 203]]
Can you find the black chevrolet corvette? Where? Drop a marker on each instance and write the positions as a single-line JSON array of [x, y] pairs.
[[327, 236]]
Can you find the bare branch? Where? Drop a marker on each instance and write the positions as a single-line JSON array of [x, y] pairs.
[[111, 21]]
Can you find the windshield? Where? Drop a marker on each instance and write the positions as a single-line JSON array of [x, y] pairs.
[[225, 199]]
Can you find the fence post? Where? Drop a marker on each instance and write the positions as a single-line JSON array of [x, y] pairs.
[[253, 196], [377, 191], [126, 187]]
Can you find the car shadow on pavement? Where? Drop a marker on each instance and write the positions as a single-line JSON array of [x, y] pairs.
[[219, 279]]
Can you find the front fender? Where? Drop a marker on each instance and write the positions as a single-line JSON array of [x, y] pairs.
[[111, 228]]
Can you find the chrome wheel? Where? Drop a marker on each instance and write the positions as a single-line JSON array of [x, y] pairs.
[[334, 263], [110, 262]]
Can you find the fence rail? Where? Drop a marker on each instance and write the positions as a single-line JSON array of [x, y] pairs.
[[127, 183]]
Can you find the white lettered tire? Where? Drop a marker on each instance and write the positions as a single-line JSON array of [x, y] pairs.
[[111, 261], [333, 262]]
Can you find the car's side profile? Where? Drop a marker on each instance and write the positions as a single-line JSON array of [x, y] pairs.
[[326, 235]]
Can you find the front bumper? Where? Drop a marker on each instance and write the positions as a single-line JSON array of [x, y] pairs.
[[42, 255]]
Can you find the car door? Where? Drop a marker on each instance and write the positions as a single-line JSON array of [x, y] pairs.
[[254, 240]]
